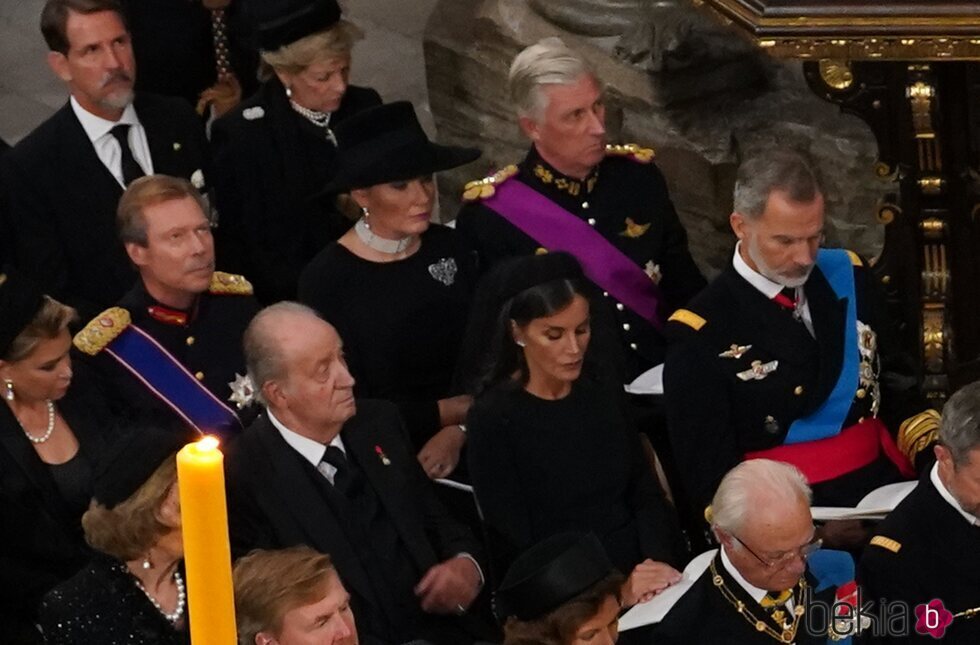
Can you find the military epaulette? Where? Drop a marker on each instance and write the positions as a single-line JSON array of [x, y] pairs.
[[229, 284], [102, 330], [689, 318], [918, 432], [632, 151], [855, 258], [486, 187], [886, 543]]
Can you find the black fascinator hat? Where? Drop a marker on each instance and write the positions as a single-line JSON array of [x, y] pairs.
[[282, 22]]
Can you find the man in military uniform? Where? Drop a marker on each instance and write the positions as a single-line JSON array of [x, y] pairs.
[[929, 547], [760, 586], [779, 356], [607, 205], [173, 345]]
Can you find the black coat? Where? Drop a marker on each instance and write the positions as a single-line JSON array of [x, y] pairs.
[[714, 417], [936, 555], [62, 211], [41, 542], [275, 502], [271, 166], [622, 188]]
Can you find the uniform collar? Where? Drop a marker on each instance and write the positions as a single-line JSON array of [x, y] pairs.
[[754, 592], [95, 126], [543, 173], [946, 495], [767, 287], [140, 300], [312, 451]]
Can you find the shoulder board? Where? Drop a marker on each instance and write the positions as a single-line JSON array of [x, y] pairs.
[[632, 151], [855, 258], [486, 187], [886, 543], [689, 318], [225, 284], [102, 330]]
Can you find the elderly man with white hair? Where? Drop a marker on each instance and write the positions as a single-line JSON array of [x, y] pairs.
[[759, 587], [605, 204]]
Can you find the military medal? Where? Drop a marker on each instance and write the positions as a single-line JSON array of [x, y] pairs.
[[735, 351], [242, 391], [758, 371]]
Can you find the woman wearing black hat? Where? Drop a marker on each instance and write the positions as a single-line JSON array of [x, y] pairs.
[[133, 590], [274, 152], [396, 286], [550, 448], [50, 437]]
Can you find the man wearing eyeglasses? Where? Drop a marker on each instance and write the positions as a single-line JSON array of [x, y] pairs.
[[760, 585]]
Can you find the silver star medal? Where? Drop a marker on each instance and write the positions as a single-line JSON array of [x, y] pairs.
[[242, 391], [444, 271]]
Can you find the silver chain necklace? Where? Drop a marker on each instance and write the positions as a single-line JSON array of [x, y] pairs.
[[380, 244], [181, 599], [47, 433]]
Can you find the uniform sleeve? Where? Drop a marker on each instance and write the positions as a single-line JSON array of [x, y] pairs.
[[682, 279], [881, 574]]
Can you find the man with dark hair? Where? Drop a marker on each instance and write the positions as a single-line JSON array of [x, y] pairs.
[[171, 348], [66, 177], [928, 548], [786, 354]]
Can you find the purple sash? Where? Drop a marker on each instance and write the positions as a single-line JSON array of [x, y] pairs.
[[556, 229]]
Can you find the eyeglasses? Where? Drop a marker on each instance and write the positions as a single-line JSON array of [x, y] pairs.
[[784, 558]]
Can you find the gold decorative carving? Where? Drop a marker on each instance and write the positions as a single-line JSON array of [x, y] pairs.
[[885, 172], [931, 49], [935, 272], [887, 212], [932, 228], [933, 337], [836, 74], [931, 185]]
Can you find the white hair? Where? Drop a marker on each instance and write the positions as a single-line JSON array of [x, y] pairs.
[[753, 484], [547, 62], [264, 357]]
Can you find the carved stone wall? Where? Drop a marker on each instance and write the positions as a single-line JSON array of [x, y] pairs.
[[695, 91]]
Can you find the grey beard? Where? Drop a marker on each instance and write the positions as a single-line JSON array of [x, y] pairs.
[[775, 276], [119, 100]]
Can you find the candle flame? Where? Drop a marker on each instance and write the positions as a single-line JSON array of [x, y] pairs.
[[208, 443]]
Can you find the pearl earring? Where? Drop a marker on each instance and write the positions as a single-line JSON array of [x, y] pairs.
[[520, 343], [289, 92], [147, 564], [9, 394]]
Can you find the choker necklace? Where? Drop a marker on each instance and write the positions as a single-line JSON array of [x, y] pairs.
[[380, 244], [317, 118], [47, 433], [181, 599]]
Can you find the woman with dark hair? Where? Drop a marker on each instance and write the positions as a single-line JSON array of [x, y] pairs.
[[397, 287], [52, 431], [550, 447], [562, 591], [132, 590]]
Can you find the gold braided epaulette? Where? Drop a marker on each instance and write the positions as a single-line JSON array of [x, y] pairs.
[[229, 284], [102, 330], [486, 187], [633, 151], [918, 432]]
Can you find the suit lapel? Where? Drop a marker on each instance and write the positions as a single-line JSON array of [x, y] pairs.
[[160, 138], [86, 171], [829, 317], [309, 508]]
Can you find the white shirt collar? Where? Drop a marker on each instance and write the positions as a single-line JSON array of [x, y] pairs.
[[754, 592], [946, 495], [768, 288], [312, 451], [95, 126]]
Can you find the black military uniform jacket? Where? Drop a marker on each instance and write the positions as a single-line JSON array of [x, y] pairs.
[[271, 166], [704, 616], [715, 416], [62, 200], [925, 549], [206, 340], [625, 199]]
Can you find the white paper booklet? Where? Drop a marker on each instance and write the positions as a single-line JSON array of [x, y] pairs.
[[875, 505], [654, 611], [649, 382]]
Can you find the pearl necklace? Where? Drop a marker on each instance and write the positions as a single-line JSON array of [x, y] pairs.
[[317, 118], [47, 433], [380, 244], [181, 599]]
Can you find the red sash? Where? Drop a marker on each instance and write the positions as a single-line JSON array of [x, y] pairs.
[[853, 448]]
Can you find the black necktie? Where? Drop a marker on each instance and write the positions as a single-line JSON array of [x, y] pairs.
[[343, 479], [131, 171]]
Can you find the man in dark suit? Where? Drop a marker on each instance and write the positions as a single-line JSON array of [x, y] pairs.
[[928, 548], [67, 176], [761, 585], [322, 469], [786, 355]]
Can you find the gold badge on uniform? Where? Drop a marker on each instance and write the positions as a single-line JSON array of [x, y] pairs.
[[634, 230], [758, 371], [735, 351]]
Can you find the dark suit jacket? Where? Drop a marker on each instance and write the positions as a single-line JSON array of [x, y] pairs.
[[62, 210], [274, 503], [41, 541]]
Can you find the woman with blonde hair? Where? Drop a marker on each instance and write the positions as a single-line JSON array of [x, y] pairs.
[[275, 151], [132, 590]]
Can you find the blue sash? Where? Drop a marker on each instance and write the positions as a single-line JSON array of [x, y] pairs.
[[827, 420], [169, 381]]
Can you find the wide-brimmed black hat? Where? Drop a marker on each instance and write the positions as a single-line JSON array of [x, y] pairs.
[[281, 22], [386, 143], [20, 300], [550, 574], [131, 460]]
